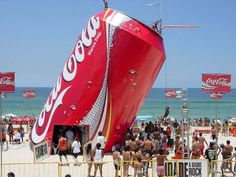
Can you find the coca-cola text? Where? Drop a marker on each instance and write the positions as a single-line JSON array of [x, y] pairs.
[[69, 72], [217, 82], [6, 81]]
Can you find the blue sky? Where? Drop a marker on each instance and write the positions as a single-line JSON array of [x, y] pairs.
[[36, 37]]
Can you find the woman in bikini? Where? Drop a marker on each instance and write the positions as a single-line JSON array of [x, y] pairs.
[[88, 156], [126, 160], [98, 159]]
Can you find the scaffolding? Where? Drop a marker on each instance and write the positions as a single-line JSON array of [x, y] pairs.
[[185, 122]]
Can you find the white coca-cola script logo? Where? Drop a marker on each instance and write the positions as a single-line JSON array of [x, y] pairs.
[[29, 93], [68, 74], [6, 81], [217, 82]]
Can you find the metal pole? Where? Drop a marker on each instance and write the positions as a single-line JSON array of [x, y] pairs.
[[188, 129], [182, 135], [184, 111], [187, 118], [182, 124], [216, 109], [1, 130], [217, 117]]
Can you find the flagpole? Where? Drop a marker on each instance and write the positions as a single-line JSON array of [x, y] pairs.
[[216, 117], [216, 114], [7, 84], [1, 130], [184, 113]]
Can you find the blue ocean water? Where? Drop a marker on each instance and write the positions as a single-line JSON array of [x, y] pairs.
[[200, 105]]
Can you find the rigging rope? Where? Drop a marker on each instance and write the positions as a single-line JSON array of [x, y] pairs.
[[166, 81]]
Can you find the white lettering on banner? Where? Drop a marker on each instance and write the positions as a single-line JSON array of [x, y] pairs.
[[218, 82], [68, 74], [6, 81]]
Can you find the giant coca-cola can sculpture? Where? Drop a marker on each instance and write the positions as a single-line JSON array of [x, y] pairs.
[[105, 80]]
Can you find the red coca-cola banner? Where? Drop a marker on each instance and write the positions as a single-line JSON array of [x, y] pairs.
[[216, 96], [170, 93], [29, 93], [7, 82], [216, 83]]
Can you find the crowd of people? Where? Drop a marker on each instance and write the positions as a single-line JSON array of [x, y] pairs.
[[93, 156], [163, 139], [15, 135], [151, 140]]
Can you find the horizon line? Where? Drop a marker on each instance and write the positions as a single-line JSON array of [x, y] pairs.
[[152, 87]]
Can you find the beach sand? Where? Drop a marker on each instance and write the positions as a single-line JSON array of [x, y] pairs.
[[19, 159]]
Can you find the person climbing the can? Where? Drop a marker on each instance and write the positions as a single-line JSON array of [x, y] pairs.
[[105, 4]]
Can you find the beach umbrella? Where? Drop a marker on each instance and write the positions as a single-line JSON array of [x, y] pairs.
[[17, 120], [172, 119], [219, 121], [10, 115], [28, 119], [233, 120], [4, 118]]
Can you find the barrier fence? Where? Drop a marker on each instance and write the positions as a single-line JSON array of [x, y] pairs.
[[173, 168], [32, 169], [53, 169], [219, 168]]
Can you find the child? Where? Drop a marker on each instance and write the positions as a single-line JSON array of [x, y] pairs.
[[138, 168], [117, 159]]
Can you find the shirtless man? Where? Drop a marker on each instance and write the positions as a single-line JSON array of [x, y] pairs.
[[177, 143], [160, 163], [230, 159], [202, 140], [228, 148], [196, 149], [132, 144], [136, 155], [116, 160], [105, 3], [139, 142], [226, 154], [193, 136], [126, 160], [148, 145], [228, 151]]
